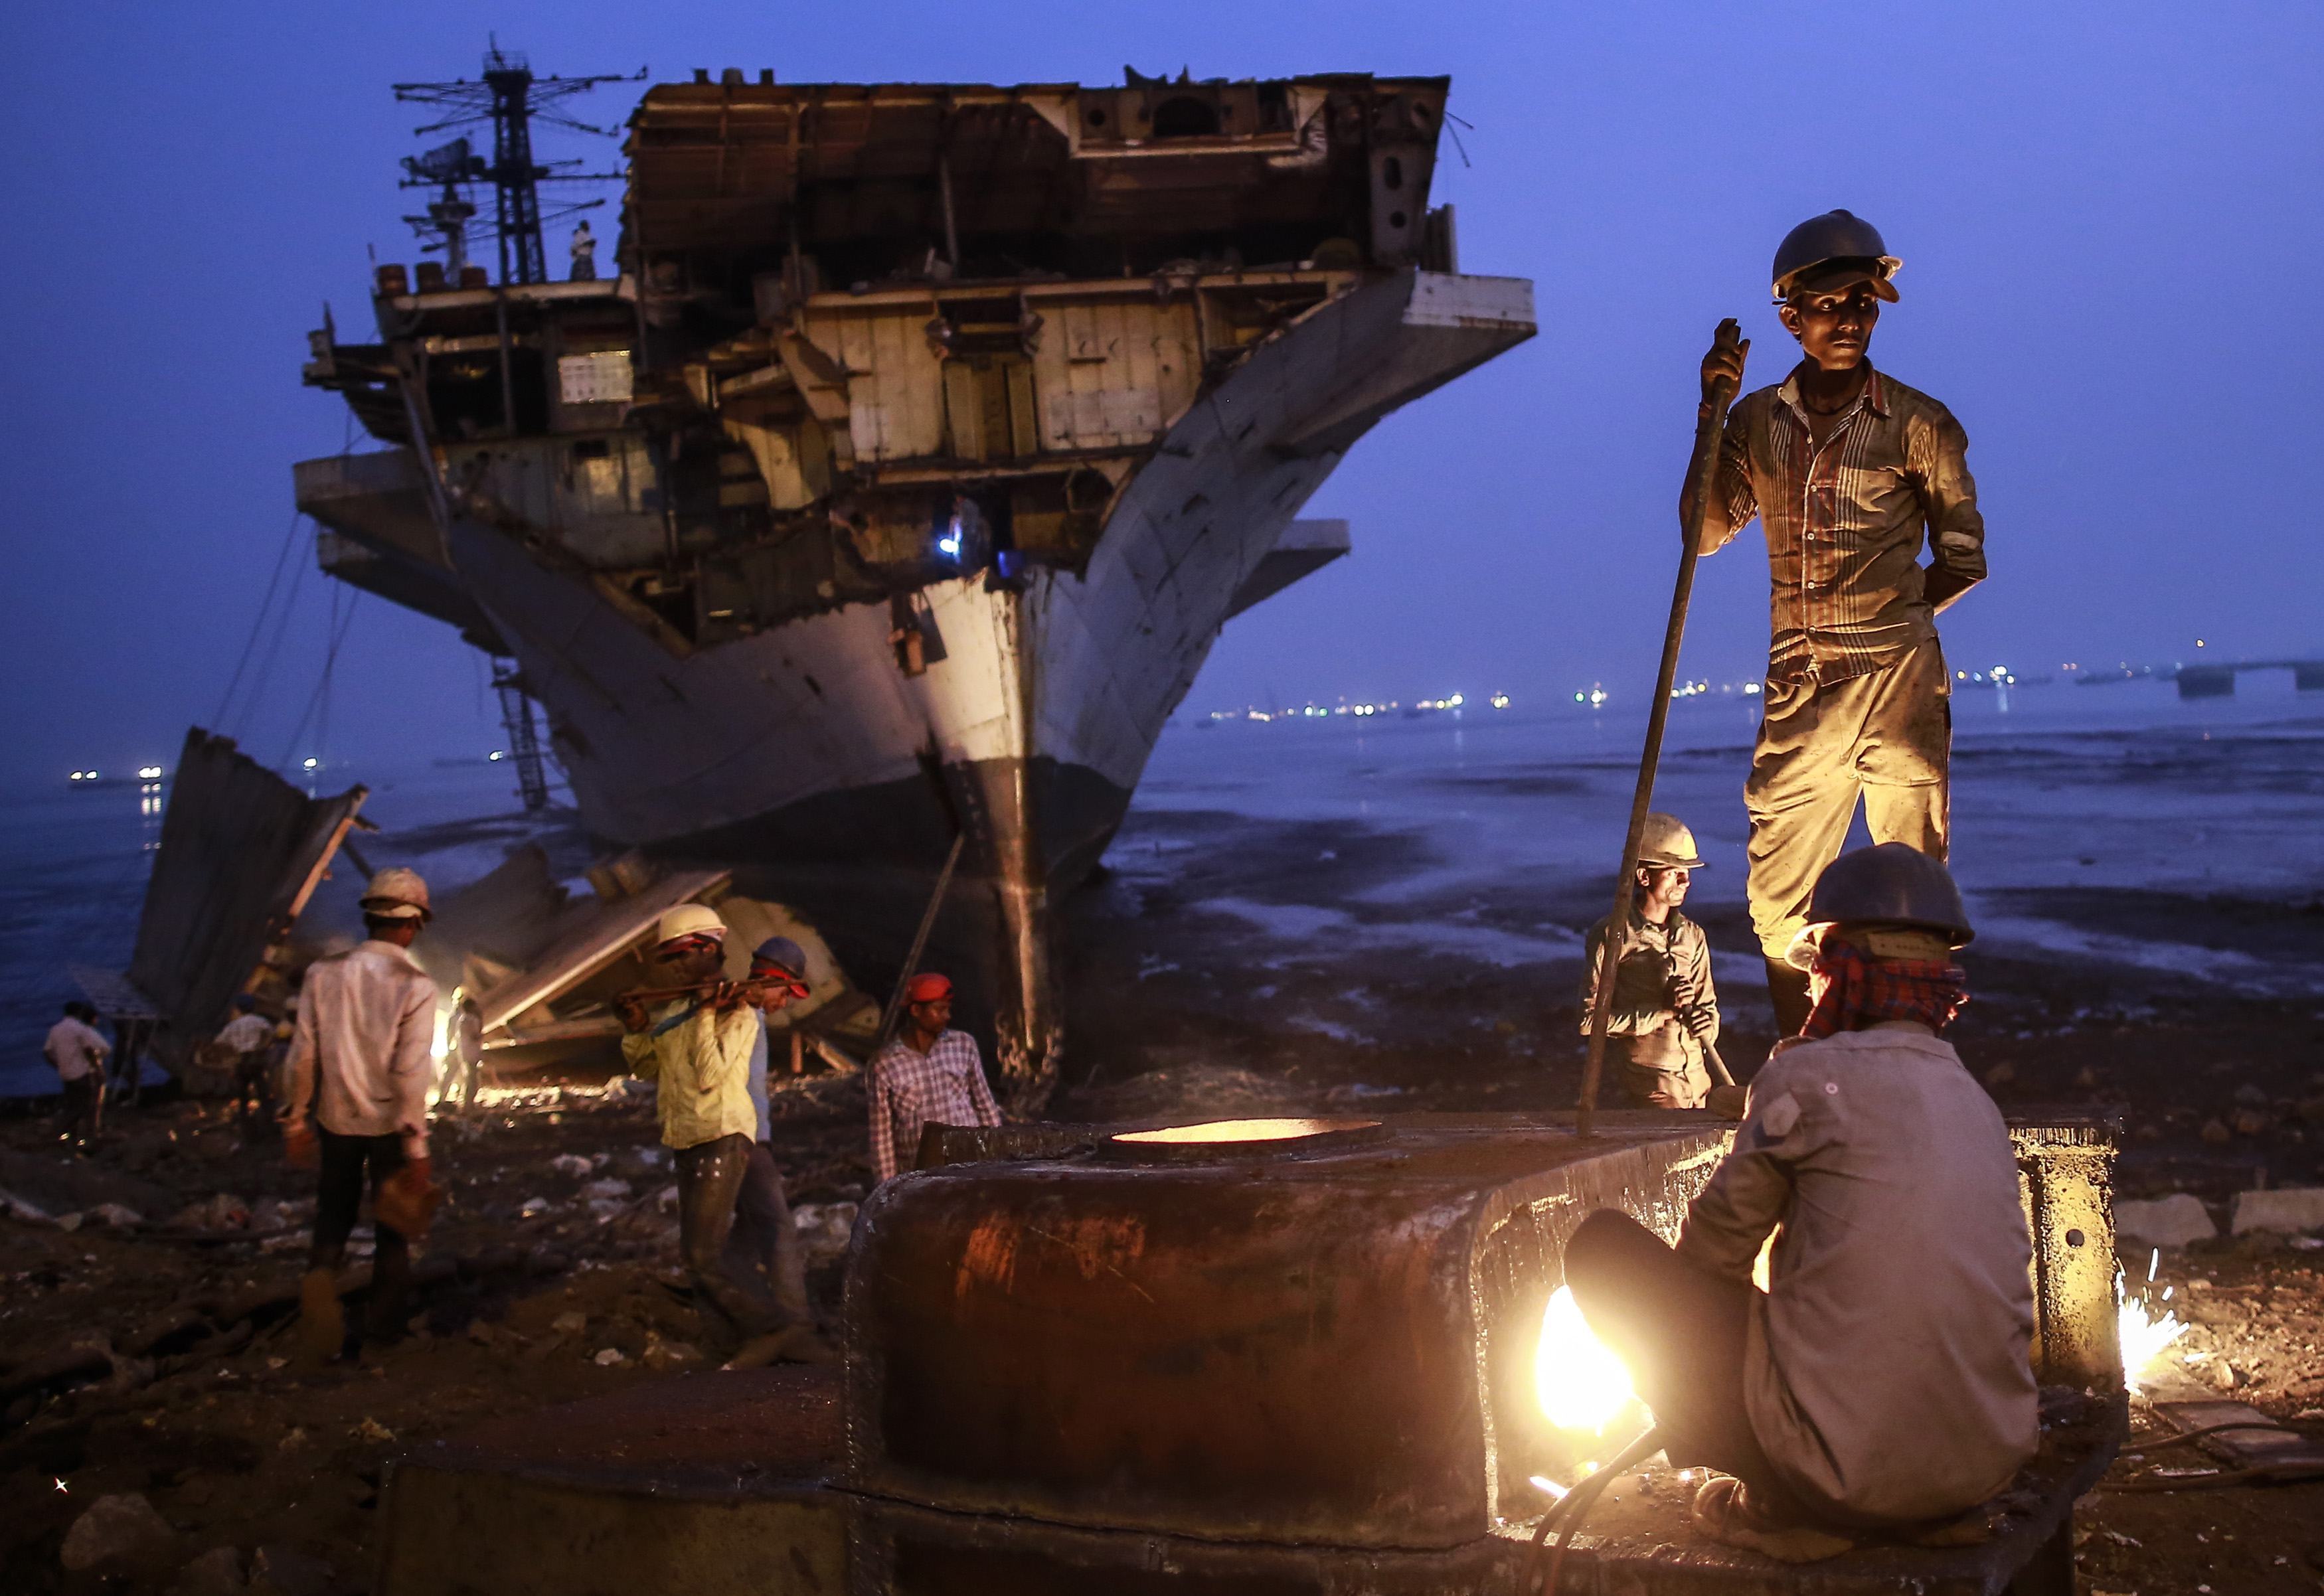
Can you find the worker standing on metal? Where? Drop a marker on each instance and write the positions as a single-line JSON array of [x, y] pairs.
[[1883, 1379], [358, 1104], [248, 1038], [931, 1074], [77, 1051], [696, 1047], [1665, 1010], [1848, 471]]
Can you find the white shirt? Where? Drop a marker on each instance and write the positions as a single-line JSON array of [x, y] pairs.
[[247, 1033], [363, 1050], [75, 1048], [1889, 1374]]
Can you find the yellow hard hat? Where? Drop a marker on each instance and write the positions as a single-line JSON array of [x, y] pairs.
[[396, 893], [1668, 844], [690, 920]]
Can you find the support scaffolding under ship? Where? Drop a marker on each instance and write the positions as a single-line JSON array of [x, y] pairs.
[[897, 486]]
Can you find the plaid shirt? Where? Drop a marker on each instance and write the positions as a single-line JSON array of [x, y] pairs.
[[944, 1086], [1845, 522]]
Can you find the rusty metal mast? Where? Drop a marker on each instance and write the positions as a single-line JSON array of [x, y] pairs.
[[510, 97]]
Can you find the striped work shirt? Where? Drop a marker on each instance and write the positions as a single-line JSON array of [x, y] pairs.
[[945, 1085], [1844, 523]]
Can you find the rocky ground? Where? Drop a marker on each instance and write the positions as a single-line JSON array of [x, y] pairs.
[[148, 1291]]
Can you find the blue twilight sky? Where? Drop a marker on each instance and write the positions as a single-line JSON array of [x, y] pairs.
[[2108, 216]]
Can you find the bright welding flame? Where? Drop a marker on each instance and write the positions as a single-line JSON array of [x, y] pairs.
[[2144, 1340], [1245, 1130], [1581, 1385]]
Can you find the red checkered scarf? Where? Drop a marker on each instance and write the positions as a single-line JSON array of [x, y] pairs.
[[1852, 990]]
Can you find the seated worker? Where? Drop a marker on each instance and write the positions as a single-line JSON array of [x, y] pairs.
[[1882, 1381], [696, 1048], [1665, 1010], [929, 1075]]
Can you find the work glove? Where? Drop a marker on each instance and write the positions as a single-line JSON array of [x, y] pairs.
[[408, 1199]]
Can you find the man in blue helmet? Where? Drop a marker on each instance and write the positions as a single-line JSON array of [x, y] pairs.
[[1851, 474], [765, 1239]]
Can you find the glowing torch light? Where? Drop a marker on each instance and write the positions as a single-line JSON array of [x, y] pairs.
[[1580, 1384], [2142, 1339]]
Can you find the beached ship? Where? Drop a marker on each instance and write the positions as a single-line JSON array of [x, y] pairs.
[[894, 486]]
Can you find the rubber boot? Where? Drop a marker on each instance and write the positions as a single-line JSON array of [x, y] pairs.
[[322, 1326], [1787, 989]]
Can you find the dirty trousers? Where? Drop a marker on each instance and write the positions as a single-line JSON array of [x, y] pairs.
[[1885, 737], [765, 1243], [711, 1175], [83, 1109], [1680, 1086], [1681, 1332], [338, 1197]]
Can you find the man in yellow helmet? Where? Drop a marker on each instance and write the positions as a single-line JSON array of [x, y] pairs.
[[1665, 1009], [1851, 474]]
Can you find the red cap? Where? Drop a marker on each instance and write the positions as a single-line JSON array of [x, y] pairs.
[[928, 989]]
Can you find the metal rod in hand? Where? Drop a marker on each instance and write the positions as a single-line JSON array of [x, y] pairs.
[[1718, 1064], [919, 944], [1702, 478]]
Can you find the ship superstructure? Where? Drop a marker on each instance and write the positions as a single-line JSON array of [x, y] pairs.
[[897, 486]]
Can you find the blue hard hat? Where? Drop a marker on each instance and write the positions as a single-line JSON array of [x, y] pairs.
[[783, 954]]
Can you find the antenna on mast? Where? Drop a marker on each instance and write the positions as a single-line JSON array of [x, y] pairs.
[[511, 99]]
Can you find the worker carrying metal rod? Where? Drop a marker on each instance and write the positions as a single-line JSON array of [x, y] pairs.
[[1664, 1014], [1883, 1379], [697, 1048], [1848, 471]]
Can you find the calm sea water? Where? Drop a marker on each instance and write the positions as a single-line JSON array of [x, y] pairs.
[[2113, 787]]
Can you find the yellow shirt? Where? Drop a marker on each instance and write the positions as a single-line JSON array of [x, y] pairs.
[[702, 1066]]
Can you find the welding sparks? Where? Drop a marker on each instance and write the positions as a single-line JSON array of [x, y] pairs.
[[1582, 1386], [2144, 1340], [1549, 1487]]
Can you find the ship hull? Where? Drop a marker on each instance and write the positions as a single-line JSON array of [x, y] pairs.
[[829, 764]]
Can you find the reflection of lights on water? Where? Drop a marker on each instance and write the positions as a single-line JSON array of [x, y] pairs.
[[2142, 1339], [1580, 1385], [1218, 1130]]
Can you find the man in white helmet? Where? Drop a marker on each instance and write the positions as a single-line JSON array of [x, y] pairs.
[[1851, 474], [1665, 1009], [696, 1048], [357, 1106]]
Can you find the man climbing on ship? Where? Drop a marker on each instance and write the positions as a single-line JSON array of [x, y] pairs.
[[1848, 471], [1665, 1010]]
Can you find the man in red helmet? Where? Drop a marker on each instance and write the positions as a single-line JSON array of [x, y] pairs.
[[931, 1074], [1849, 472]]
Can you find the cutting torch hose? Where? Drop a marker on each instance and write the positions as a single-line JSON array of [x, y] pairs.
[[1568, 1514]]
